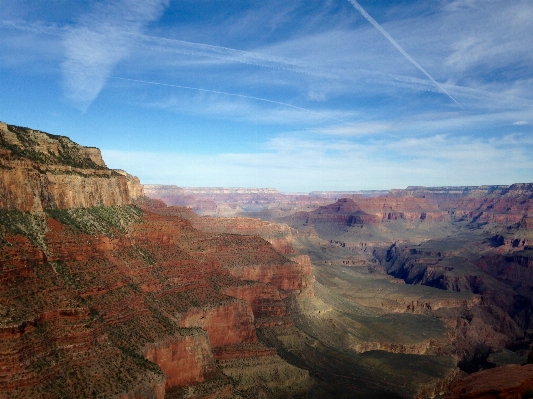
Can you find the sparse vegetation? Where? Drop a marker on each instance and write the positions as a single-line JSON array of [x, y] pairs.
[[106, 220], [69, 153], [31, 225]]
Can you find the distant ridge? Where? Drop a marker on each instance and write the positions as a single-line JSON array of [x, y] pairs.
[[469, 191], [210, 190], [356, 192]]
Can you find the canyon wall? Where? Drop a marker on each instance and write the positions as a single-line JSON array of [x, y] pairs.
[[500, 205], [101, 298], [147, 311], [43, 171]]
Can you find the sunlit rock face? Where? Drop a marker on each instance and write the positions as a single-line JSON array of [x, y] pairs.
[[43, 171]]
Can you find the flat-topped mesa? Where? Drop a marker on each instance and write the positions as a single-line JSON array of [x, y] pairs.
[[376, 210], [387, 208], [344, 211], [44, 171]]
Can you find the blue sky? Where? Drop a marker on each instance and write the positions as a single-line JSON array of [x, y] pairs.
[[296, 95]]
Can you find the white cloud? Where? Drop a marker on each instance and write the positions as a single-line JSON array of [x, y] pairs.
[[98, 42], [498, 37]]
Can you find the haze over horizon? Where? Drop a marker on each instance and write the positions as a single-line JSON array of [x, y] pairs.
[[298, 96]]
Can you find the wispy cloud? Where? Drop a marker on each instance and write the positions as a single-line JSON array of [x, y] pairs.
[[91, 56], [234, 106], [306, 110], [98, 42], [357, 129], [225, 53]]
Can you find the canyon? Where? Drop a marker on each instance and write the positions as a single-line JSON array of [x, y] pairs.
[[114, 289], [459, 255]]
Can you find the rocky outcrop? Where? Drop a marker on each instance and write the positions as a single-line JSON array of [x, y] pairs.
[[42, 171], [28, 187], [508, 382], [135, 188], [364, 211], [185, 358], [230, 322], [267, 304], [344, 211], [408, 209], [515, 267]]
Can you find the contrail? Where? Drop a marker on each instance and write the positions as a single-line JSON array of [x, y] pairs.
[[207, 50], [191, 48], [398, 47], [231, 94]]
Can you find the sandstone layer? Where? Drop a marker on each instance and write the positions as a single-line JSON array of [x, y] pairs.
[[43, 171]]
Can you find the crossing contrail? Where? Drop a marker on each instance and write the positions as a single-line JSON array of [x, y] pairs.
[[231, 94], [367, 16]]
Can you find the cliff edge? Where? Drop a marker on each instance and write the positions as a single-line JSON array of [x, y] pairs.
[[44, 171]]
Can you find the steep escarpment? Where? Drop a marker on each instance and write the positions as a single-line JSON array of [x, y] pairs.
[[135, 188], [44, 171], [101, 298], [361, 212], [509, 382], [330, 321], [155, 302]]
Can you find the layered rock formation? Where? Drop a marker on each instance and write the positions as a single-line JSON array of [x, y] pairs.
[[100, 298], [227, 202], [375, 210], [301, 329], [135, 188], [473, 241], [43, 171], [156, 299], [501, 205]]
